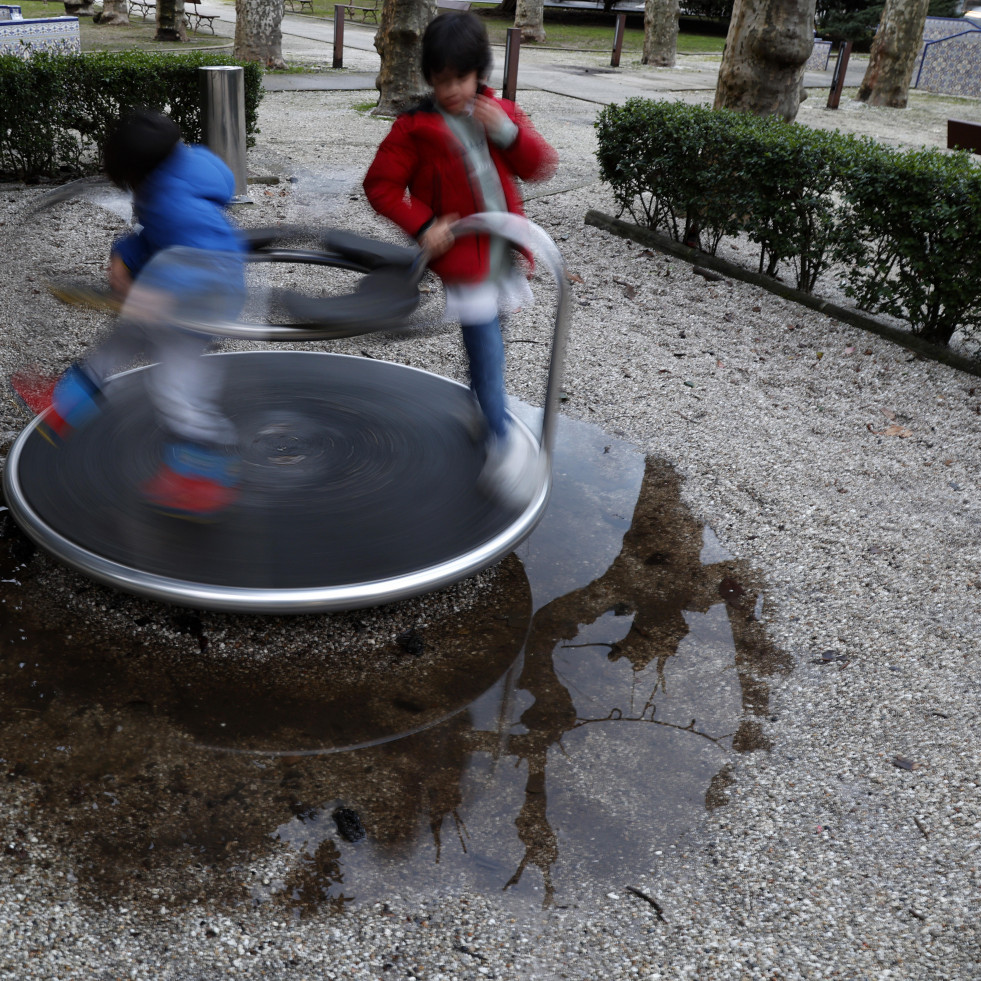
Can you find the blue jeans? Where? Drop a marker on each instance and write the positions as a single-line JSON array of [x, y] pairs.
[[485, 351]]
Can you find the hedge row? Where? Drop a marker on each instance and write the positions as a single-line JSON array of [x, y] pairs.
[[905, 225], [56, 110]]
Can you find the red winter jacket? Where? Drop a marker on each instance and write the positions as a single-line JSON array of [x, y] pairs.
[[421, 155]]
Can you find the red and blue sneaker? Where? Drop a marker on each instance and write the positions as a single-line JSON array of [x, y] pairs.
[[63, 403], [194, 481]]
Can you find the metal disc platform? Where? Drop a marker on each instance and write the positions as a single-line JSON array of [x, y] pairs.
[[359, 476], [359, 487]]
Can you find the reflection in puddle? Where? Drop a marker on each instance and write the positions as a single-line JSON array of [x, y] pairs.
[[564, 727]]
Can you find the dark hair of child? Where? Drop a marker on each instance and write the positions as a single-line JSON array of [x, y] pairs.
[[138, 143], [456, 40]]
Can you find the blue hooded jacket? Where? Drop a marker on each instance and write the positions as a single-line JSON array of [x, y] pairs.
[[182, 203]]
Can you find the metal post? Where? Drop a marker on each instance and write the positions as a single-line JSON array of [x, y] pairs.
[[618, 32], [512, 47], [338, 36], [223, 90], [838, 79]]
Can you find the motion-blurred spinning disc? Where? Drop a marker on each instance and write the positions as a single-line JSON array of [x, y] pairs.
[[359, 488]]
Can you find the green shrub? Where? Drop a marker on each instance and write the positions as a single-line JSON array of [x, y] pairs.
[[698, 172], [792, 174], [906, 225], [663, 160], [913, 234], [57, 109]]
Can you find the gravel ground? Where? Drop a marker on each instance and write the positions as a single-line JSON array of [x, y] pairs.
[[841, 468]]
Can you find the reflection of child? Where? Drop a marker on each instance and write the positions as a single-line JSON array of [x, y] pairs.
[[183, 265], [457, 154]]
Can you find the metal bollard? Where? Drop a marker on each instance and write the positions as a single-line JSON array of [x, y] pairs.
[[338, 36], [223, 96], [511, 50], [838, 78], [618, 31]]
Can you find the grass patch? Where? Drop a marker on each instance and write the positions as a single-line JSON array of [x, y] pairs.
[[138, 36], [583, 30], [593, 31]]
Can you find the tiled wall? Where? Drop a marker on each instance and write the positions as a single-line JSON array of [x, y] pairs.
[[57, 34], [951, 66], [818, 61]]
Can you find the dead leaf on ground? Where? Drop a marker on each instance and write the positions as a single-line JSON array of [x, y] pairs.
[[903, 763], [894, 430], [574, 277], [888, 413]]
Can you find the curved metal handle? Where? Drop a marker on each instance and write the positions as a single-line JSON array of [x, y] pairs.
[[532, 238]]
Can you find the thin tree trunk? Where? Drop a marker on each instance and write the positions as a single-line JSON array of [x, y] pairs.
[[398, 41], [258, 32], [170, 21], [114, 13], [762, 68], [661, 33], [894, 50], [529, 16]]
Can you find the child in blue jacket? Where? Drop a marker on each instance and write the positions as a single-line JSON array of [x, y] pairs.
[[182, 269]]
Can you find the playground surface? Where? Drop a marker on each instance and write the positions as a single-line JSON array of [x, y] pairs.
[[843, 472]]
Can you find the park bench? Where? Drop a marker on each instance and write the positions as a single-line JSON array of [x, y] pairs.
[[304, 5], [144, 7], [371, 10], [194, 17]]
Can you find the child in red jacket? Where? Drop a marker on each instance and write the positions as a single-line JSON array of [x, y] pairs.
[[455, 155]]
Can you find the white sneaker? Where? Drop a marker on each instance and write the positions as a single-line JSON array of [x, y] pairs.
[[512, 472]]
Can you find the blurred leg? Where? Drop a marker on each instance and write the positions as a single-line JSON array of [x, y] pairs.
[[187, 286], [485, 351]]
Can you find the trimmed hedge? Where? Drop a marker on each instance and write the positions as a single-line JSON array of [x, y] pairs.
[[906, 225], [56, 110]]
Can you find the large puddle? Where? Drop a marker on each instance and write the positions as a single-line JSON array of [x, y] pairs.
[[557, 733]]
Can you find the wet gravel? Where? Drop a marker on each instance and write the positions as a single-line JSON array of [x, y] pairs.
[[842, 468]]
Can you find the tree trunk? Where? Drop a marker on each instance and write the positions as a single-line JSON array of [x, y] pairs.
[[894, 50], [506, 7], [529, 16], [661, 33], [114, 12], [170, 21], [762, 69], [399, 43], [79, 8], [258, 34]]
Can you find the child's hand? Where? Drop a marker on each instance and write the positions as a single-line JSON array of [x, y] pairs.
[[120, 279], [438, 238], [489, 114]]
